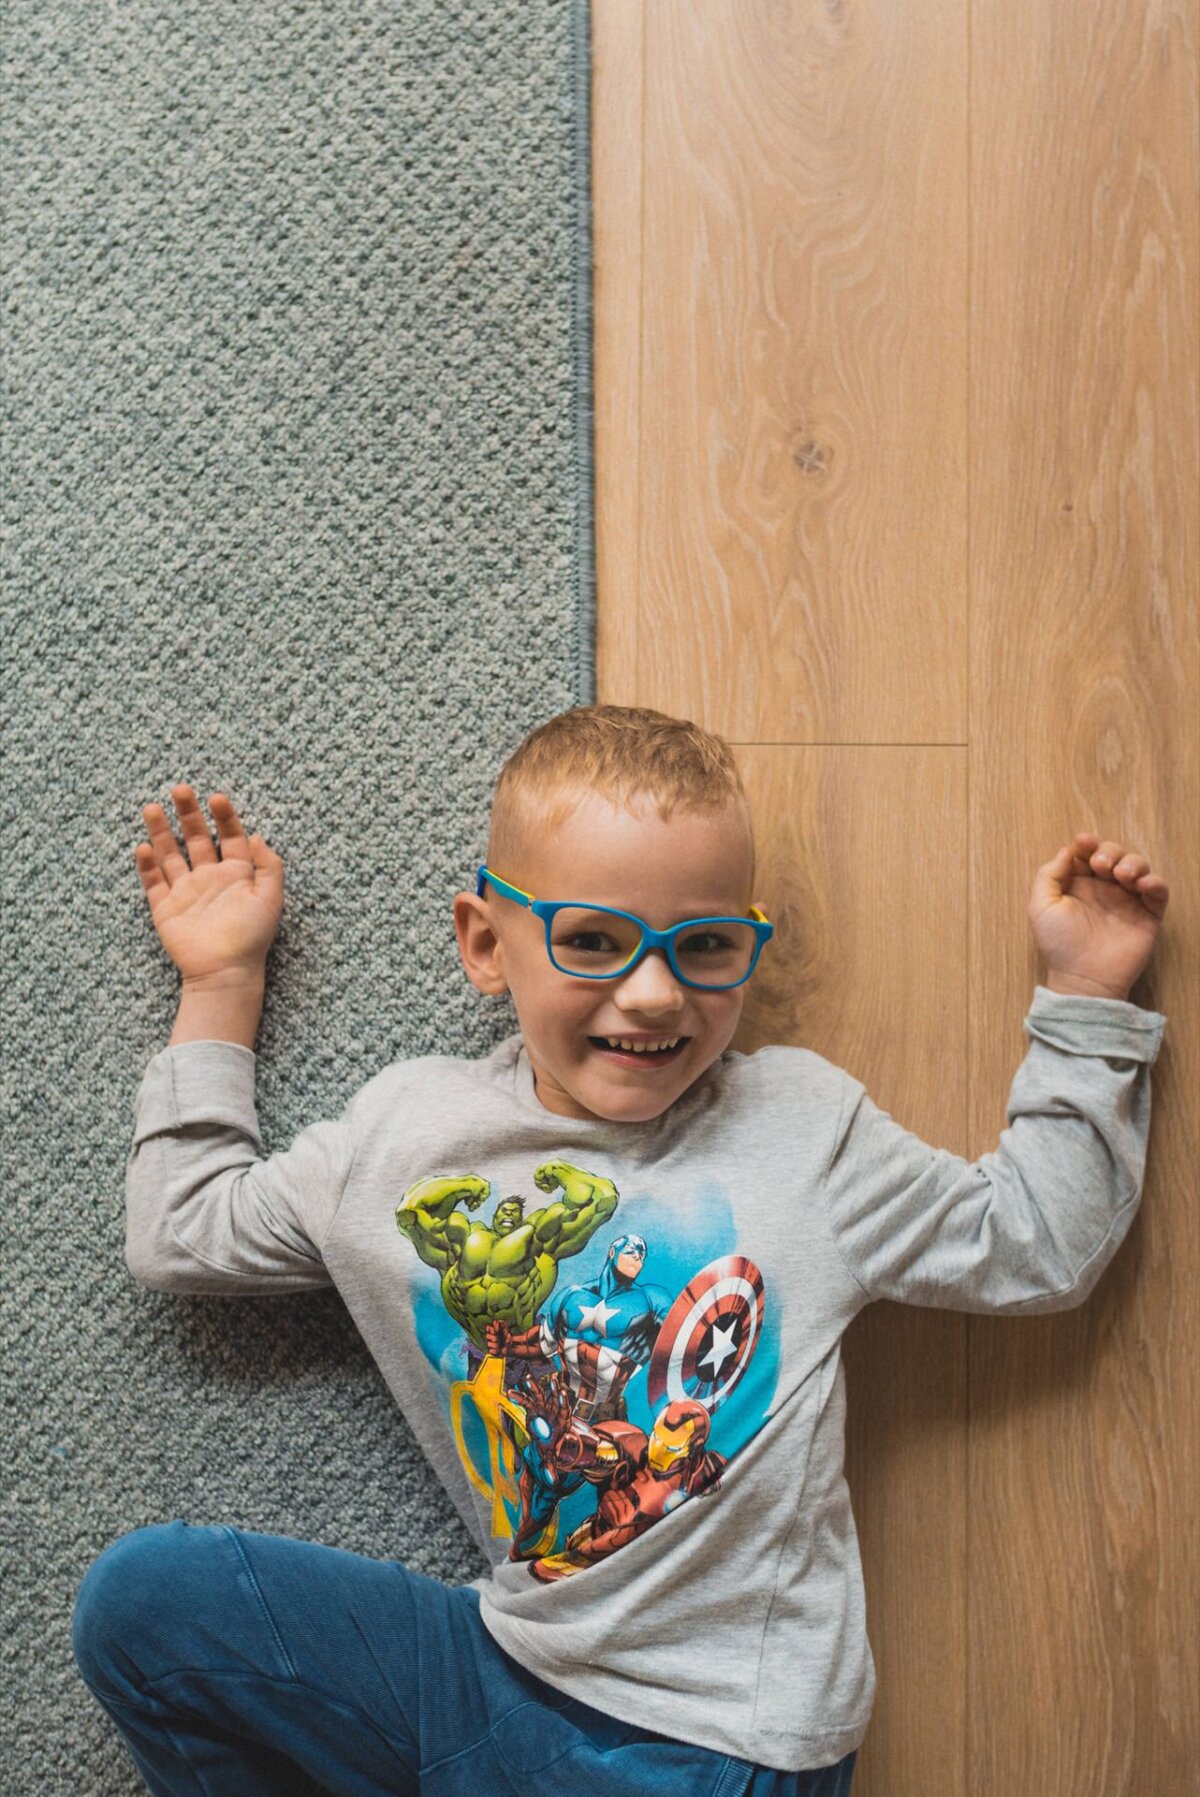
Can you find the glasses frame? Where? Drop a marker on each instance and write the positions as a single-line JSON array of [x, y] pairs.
[[548, 909]]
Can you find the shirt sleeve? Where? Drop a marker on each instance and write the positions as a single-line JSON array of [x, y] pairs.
[[205, 1210], [1030, 1226]]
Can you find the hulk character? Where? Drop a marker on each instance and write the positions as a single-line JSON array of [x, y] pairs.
[[503, 1271]]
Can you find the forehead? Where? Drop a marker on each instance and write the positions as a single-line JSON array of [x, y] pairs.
[[690, 863]]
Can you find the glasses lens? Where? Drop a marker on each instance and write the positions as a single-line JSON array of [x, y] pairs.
[[715, 954], [597, 943], [594, 942]]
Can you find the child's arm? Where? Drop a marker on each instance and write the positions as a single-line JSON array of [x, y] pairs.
[[220, 1010], [205, 1211], [1030, 1226]]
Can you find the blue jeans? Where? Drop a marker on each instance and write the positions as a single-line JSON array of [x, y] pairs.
[[238, 1664]]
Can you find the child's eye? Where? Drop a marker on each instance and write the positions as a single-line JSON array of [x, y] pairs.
[[590, 942], [704, 942]]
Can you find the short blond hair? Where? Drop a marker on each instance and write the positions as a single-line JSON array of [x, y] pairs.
[[622, 752]]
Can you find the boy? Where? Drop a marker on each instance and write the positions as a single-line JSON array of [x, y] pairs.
[[605, 1271]]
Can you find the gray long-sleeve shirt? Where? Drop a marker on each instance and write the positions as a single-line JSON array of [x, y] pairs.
[[653, 1460]]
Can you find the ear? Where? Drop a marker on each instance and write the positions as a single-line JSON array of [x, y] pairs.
[[478, 944]]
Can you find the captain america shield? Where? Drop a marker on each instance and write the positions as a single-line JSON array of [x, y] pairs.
[[709, 1334]]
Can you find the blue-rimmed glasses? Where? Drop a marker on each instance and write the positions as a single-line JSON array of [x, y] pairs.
[[596, 942]]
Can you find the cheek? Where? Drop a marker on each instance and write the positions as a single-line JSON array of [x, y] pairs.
[[562, 1017], [725, 1021]]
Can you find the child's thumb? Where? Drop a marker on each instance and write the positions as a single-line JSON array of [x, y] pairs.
[[268, 866], [1048, 885]]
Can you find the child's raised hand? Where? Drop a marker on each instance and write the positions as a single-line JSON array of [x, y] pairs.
[[1095, 911], [219, 916]]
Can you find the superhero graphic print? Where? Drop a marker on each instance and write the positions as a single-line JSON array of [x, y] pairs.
[[600, 1358]]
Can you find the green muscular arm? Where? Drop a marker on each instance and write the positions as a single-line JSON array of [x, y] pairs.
[[564, 1228], [428, 1215]]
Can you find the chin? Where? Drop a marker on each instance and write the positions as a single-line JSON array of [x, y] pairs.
[[637, 1107]]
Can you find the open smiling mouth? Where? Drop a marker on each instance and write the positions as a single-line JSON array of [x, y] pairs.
[[638, 1057]]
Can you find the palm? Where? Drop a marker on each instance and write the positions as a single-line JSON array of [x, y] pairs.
[[214, 917]]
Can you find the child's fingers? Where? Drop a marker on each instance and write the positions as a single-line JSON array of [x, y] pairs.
[[154, 882], [1128, 869], [1083, 845], [196, 839], [230, 834], [1154, 892], [1104, 859], [165, 849]]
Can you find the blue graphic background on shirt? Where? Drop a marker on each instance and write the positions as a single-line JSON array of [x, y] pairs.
[[601, 1353]]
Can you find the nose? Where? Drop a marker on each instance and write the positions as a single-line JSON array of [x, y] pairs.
[[651, 986]]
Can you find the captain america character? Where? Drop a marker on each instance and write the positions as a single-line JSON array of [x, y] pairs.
[[600, 1334]]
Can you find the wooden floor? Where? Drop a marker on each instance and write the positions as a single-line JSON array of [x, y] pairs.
[[899, 489]]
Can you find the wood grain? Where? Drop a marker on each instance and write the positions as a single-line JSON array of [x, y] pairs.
[[617, 63], [1085, 669], [898, 488], [803, 423]]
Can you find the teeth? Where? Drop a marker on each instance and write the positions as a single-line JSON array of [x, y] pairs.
[[640, 1047]]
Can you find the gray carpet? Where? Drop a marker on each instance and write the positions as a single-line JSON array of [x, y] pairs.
[[296, 505]]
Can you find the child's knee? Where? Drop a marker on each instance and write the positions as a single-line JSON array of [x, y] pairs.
[[123, 1590]]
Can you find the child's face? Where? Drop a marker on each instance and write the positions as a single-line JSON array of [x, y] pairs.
[[695, 865]]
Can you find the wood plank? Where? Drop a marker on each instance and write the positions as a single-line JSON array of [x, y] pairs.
[[803, 440], [1084, 674], [618, 32]]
